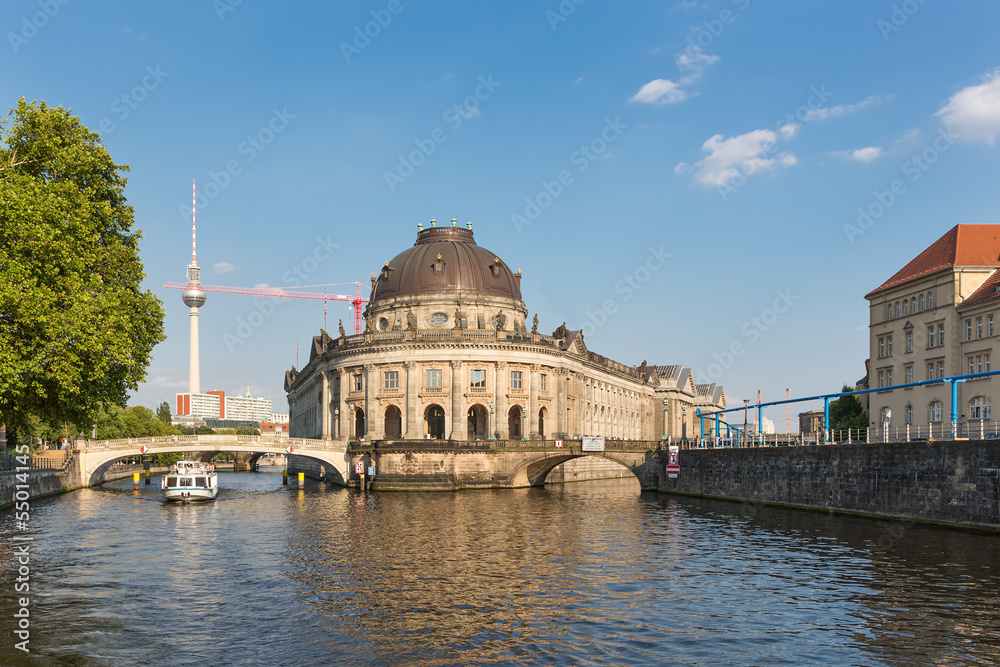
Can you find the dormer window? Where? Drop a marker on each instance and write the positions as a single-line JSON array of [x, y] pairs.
[[438, 265], [386, 272], [495, 266]]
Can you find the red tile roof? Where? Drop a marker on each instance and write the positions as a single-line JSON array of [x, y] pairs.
[[962, 245], [988, 291]]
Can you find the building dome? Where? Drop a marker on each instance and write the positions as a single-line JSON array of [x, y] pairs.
[[445, 261]]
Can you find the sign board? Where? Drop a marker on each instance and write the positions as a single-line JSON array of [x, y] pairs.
[[288, 449], [673, 466], [371, 471], [359, 467], [142, 449], [593, 443], [559, 443]]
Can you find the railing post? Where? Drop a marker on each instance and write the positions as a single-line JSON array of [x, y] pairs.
[[826, 419], [954, 408]]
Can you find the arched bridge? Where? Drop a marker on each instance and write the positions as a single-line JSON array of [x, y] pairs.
[[92, 458], [399, 465]]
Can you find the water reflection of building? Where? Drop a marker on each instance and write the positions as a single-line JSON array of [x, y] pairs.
[[449, 352]]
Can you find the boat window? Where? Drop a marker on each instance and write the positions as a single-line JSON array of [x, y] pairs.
[[200, 481], [186, 481], [171, 481]]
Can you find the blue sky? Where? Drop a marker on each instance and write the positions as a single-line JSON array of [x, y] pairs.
[[680, 179]]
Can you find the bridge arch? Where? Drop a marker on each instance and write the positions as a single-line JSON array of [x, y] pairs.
[[93, 459], [534, 468]]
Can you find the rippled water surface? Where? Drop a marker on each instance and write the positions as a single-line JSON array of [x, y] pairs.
[[583, 574]]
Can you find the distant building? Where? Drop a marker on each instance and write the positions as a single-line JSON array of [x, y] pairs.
[[811, 422], [766, 426], [195, 408], [279, 417]]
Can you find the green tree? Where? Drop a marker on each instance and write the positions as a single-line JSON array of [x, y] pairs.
[[136, 422], [76, 329], [163, 412], [846, 412]]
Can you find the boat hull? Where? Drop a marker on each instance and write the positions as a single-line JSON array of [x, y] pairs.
[[190, 494]]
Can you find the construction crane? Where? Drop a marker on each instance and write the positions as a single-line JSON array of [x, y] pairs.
[[357, 300]]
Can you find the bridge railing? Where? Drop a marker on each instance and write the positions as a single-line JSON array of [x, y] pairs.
[[215, 440], [487, 445]]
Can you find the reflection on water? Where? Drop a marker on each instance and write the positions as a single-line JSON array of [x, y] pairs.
[[587, 573]]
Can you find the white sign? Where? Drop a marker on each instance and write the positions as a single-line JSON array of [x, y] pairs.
[[142, 449], [559, 443], [593, 443], [288, 449], [359, 467], [673, 466]]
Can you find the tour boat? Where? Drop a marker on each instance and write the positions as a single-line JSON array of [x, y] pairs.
[[190, 481]]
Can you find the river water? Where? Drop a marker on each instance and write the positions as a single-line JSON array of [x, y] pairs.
[[590, 573]]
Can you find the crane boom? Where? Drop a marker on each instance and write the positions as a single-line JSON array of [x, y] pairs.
[[281, 292]]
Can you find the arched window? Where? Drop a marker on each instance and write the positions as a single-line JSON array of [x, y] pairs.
[[921, 303], [935, 411], [906, 307], [909, 413], [930, 299], [979, 408], [913, 305], [886, 415]]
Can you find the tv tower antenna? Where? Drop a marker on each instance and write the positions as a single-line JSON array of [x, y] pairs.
[[194, 297]]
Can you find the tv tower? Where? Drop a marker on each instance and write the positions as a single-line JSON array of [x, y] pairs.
[[194, 297]]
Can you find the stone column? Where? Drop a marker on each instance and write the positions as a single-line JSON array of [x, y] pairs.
[[373, 425], [532, 402], [500, 396], [410, 420], [325, 407], [340, 377], [457, 430]]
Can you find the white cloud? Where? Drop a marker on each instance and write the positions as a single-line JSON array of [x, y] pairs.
[[866, 155], [974, 112], [789, 130], [841, 110], [665, 91], [745, 154], [222, 267], [696, 63], [166, 382], [660, 91]]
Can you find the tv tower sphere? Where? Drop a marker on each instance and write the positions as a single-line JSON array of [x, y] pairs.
[[193, 295]]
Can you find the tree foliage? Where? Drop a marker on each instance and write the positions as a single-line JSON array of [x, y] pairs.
[[135, 422], [847, 412], [76, 329], [163, 412]]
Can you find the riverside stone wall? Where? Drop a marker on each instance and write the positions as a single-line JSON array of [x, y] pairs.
[[947, 482], [41, 482]]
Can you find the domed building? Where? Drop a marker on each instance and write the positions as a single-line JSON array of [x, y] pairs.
[[448, 352]]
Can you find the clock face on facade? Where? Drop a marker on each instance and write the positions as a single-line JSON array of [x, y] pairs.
[[383, 324], [438, 319]]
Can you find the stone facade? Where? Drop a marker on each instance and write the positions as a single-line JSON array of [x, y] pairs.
[[448, 354]]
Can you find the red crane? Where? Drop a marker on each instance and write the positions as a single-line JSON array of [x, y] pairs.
[[357, 299]]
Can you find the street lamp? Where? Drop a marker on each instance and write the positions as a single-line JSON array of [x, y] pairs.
[[336, 422], [666, 409], [490, 436], [524, 424]]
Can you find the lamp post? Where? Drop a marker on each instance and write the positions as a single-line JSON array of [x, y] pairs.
[[666, 409], [490, 436], [524, 424], [336, 422], [746, 407]]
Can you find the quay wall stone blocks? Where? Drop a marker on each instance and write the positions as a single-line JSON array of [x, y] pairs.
[[41, 483], [949, 482]]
